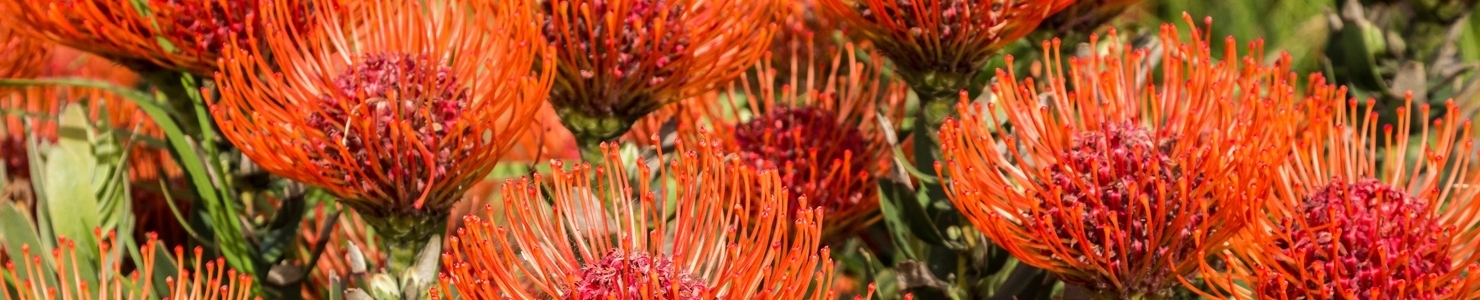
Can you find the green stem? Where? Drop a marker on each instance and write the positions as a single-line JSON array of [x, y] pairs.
[[405, 235], [591, 151], [926, 131]]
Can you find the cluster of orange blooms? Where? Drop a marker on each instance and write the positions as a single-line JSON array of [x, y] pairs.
[[1215, 175]]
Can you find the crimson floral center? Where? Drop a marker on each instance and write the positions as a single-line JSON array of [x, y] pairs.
[[625, 275], [208, 25], [1381, 239], [808, 144], [957, 20], [1100, 183], [630, 51], [392, 111]]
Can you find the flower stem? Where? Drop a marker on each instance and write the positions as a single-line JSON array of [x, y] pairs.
[[591, 151], [405, 235]]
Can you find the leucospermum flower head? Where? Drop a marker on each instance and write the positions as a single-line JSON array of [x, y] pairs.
[[192, 280], [623, 59], [398, 116], [590, 234], [819, 127], [1119, 186], [940, 45], [180, 35], [1355, 222], [21, 56]]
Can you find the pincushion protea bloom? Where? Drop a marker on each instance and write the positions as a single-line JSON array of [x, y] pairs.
[[396, 117], [819, 127], [181, 35], [1353, 223], [622, 59], [193, 280], [601, 238], [21, 56], [1121, 187], [938, 46]]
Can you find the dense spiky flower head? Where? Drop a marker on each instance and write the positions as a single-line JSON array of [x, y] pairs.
[[21, 56], [802, 27], [396, 117], [940, 45], [590, 234], [1119, 186], [622, 59], [180, 35], [820, 127], [1351, 222], [70, 273]]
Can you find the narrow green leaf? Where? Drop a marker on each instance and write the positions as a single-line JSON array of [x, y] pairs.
[[164, 266], [19, 233], [230, 235], [898, 230], [33, 155], [336, 287], [282, 231], [910, 212]]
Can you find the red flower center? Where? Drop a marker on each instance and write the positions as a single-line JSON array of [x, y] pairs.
[[1122, 187], [624, 275], [1366, 238], [622, 52], [809, 145], [205, 26], [390, 101]]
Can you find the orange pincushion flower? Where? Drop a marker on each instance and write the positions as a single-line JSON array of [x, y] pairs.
[[1353, 223], [397, 117], [801, 28], [819, 127], [1121, 187], [194, 32], [601, 238], [21, 56], [193, 280], [623, 59], [940, 45]]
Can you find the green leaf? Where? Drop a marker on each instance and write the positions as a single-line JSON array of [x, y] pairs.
[[164, 266], [1355, 51], [33, 155], [282, 231], [19, 232], [336, 287], [72, 177], [898, 230], [232, 245]]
